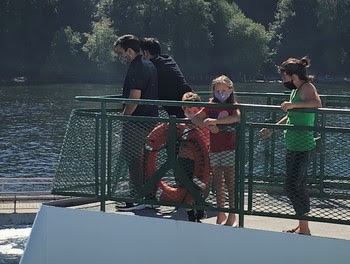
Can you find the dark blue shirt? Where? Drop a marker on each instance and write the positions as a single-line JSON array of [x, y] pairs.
[[142, 75], [171, 82]]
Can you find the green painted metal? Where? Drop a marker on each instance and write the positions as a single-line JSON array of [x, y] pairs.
[[241, 164], [250, 170], [103, 155], [326, 185]]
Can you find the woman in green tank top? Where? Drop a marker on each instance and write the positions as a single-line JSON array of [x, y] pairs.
[[299, 143]]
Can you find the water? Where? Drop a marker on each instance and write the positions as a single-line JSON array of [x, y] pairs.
[[33, 121], [12, 243]]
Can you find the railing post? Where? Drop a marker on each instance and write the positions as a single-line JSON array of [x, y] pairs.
[[241, 165], [322, 152], [250, 168], [103, 155], [171, 150], [97, 159], [109, 158], [15, 205]]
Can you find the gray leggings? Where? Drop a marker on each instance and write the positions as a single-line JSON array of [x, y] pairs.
[[295, 184]]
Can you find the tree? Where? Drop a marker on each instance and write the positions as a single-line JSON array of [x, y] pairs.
[[190, 37], [295, 32], [98, 46], [240, 45], [318, 28], [333, 19], [259, 11], [26, 30], [66, 61], [76, 14]]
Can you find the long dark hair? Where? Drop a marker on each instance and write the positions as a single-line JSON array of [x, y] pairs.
[[297, 67]]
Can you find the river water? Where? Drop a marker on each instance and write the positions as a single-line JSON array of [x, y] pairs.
[[33, 121]]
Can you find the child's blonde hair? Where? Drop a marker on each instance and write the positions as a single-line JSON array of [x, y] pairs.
[[222, 79], [227, 81], [191, 97]]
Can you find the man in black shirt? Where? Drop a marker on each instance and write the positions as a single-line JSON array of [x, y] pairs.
[[141, 82], [171, 82]]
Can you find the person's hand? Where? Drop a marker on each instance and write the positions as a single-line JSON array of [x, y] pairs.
[[192, 126], [265, 133], [213, 129], [209, 122], [285, 106]]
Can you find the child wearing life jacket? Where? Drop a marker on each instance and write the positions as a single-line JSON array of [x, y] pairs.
[[185, 156], [222, 143]]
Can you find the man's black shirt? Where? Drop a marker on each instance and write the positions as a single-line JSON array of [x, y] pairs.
[[142, 75], [171, 82]]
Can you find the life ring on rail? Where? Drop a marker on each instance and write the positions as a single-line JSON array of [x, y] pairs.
[[197, 142]]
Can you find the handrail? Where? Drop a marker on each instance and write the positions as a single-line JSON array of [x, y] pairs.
[[23, 181], [105, 99], [262, 94]]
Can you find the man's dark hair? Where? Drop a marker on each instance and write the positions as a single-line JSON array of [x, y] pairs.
[[152, 45], [128, 41]]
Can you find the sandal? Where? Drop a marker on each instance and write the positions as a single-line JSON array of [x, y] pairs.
[[298, 233], [293, 230]]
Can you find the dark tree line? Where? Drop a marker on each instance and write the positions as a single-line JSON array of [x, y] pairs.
[[71, 40]]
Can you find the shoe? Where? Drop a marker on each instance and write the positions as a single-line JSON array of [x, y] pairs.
[[191, 216], [152, 206], [201, 214], [293, 230], [130, 207]]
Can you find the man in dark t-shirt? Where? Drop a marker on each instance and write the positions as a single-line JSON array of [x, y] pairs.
[[141, 82], [171, 82]]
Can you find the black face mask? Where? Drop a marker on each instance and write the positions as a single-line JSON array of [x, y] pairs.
[[289, 85]]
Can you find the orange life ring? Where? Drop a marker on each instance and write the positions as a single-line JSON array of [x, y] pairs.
[[196, 140]]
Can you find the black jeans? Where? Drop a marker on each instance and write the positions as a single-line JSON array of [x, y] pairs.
[[295, 184], [134, 136]]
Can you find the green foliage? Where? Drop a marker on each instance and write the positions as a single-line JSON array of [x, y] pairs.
[[73, 39], [334, 22], [98, 46], [77, 14], [259, 11], [318, 28], [191, 39], [25, 33], [240, 45], [65, 59]]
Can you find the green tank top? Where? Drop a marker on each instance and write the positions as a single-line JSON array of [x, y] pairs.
[[299, 140]]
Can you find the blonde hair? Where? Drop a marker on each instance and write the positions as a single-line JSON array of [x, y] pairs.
[[191, 97], [227, 81], [222, 79]]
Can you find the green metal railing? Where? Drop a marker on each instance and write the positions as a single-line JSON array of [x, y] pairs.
[[92, 162]]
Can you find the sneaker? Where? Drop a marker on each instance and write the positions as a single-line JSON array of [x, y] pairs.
[[152, 206], [201, 214], [191, 216], [130, 207]]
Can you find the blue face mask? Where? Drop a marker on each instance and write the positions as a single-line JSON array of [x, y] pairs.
[[222, 96]]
